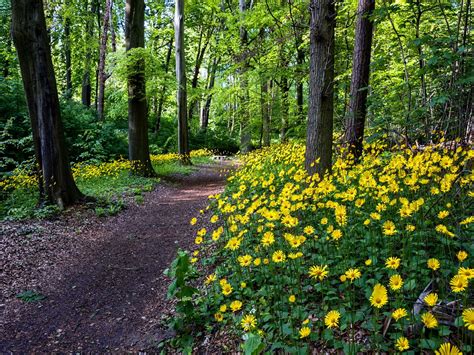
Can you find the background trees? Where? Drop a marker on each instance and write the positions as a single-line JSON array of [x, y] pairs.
[[249, 73]]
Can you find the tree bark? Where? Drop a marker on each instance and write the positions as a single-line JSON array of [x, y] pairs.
[[210, 86], [285, 88], [67, 55], [113, 39], [102, 57], [138, 150], [34, 55], [181, 97], [161, 101], [321, 83], [355, 121], [86, 78], [245, 129], [265, 114]]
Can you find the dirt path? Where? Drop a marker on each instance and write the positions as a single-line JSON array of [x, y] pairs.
[[103, 277]]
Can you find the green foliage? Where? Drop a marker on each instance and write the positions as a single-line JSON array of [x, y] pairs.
[[30, 296]]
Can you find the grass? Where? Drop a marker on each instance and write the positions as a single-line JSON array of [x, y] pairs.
[[22, 203]]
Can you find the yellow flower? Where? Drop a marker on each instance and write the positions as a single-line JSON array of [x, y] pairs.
[[193, 221], [331, 320], [292, 298], [448, 349], [243, 285], [308, 230], [441, 228], [318, 272], [198, 240], [210, 278], [278, 256], [202, 232], [399, 313], [257, 261], [336, 234], [458, 283], [410, 227], [468, 318], [244, 260], [353, 274], [304, 332], [268, 239], [214, 219], [431, 299], [226, 289], [466, 272], [379, 296], [233, 243], [235, 305], [429, 320], [402, 344], [343, 278], [324, 221], [368, 262], [223, 308], [443, 214], [218, 317], [389, 228], [392, 263], [248, 322], [433, 264], [461, 255], [396, 282]]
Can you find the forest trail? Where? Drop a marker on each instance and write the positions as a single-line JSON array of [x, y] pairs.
[[102, 277]]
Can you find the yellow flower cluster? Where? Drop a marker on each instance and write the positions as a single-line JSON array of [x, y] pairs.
[[351, 248]]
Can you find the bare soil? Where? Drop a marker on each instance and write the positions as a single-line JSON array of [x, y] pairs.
[[102, 277]]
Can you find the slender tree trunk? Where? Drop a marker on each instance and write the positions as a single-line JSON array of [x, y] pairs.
[[355, 121], [34, 55], [284, 108], [86, 79], [163, 88], [102, 57], [210, 86], [265, 114], [318, 156], [245, 132], [183, 142], [138, 150], [67, 55], [113, 39]]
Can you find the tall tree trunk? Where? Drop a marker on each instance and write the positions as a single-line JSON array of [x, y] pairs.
[[102, 56], [265, 114], [67, 55], [245, 129], [210, 86], [161, 101], [284, 108], [113, 39], [355, 121], [321, 83], [34, 55], [86, 78], [183, 142], [197, 67], [138, 150]]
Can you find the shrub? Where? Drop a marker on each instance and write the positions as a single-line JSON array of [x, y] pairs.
[[375, 256]]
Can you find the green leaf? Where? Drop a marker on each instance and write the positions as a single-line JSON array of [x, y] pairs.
[[30, 296], [253, 345]]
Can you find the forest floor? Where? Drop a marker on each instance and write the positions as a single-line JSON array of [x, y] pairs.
[[102, 277]]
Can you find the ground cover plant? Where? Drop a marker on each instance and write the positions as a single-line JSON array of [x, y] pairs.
[[374, 257], [107, 181]]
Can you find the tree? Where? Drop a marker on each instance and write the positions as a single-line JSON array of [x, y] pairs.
[[183, 143], [245, 129], [30, 36], [102, 55], [138, 150], [318, 156], [355, 121]]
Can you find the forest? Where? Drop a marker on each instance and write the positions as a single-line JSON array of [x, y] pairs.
[[223, 176]]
